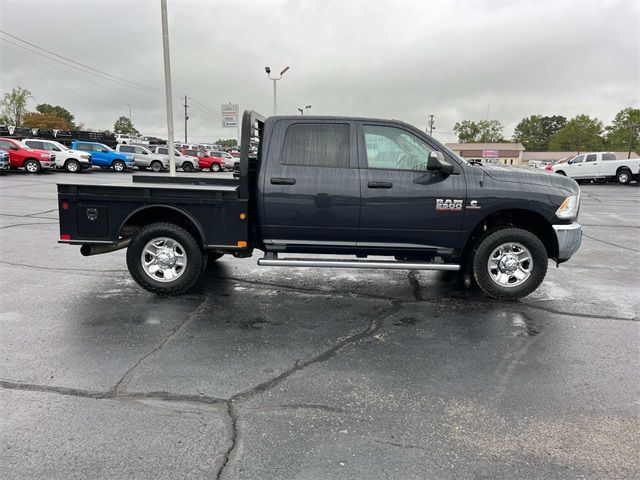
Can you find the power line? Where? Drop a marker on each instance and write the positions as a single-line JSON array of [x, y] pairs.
[[205, 108], [114, 77]]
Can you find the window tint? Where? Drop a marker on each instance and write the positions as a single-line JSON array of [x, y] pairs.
[[395, 149], [5, 145], [84, 147], [317, 145], [193, 153], [34, 144], [578, 159], [592, 157], [609, 156], [163, 151], [141, 151], [126, 149]]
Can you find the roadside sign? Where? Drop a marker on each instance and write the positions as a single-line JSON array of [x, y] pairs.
[[490, 154], [229, 115]]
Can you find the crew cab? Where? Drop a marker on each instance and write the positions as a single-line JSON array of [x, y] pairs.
[[318, 186], [599, 166], [105, 157], [31, 159], [144, 158], [73, 161], [185, 162], [205, 161], [5, 163]]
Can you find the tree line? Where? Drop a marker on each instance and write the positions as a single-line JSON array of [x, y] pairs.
[[540, 133]]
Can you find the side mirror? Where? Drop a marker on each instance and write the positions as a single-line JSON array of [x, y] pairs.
[[436, 161]]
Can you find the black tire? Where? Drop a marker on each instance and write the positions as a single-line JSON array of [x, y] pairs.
[[192, 252], [32, 166], [624, 176], [215, 167], [73, 166], [487, 244], [119, 166], [156, 166], [187, 167]]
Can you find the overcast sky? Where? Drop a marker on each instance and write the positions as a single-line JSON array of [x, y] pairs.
[[402, 60]]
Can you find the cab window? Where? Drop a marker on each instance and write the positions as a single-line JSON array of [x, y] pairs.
[[578, 159], [394, 149], [85, 147], [317, 145], [35, 144], [591, 157], [126, 149], [608, 156]]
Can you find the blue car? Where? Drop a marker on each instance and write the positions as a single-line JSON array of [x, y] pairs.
[[5, 164], [105, 157]]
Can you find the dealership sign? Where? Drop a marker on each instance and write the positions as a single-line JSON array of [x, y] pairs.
[[490, 154], [229, 115]]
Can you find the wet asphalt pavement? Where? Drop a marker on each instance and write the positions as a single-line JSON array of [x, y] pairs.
[[271, 373]]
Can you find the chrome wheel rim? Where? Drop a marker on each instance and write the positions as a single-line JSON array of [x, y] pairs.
[[164, 259], [623, 177], [118, 167], [72, 167], [32, 167], [510, 264], [156, 167]]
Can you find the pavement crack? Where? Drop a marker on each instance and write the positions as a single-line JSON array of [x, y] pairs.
[[402, 445], [612, 244], [120, 388], [69, 392], [414, 281], [231, 422]]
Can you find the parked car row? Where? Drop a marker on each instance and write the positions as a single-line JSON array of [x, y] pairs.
[[36, 155], [598, 166]]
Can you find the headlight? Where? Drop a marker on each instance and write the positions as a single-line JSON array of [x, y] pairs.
[[569, 208], [87, 157]]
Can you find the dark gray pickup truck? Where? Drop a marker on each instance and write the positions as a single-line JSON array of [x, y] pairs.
[[379, 193]]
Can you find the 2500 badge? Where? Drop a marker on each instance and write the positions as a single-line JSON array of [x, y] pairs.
[[448, 205]]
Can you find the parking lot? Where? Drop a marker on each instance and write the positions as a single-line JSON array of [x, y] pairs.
[[300, 373]]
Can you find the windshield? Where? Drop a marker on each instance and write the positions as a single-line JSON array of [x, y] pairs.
[[62, 147]]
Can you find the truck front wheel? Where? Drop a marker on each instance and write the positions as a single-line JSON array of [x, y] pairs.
[[164, 258], [509, 263]]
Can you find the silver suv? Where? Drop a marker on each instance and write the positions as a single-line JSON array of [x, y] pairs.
[[145, 158], [185, 162]]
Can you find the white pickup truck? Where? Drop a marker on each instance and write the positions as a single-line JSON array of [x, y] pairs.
[[599, 166], [73, 161]]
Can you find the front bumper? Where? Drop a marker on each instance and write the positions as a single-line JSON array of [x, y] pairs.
[[569, 239]]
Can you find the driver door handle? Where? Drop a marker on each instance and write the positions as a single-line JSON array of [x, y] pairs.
[[283, 181], [380, 185]]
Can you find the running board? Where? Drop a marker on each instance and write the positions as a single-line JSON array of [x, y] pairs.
[[337, 263]]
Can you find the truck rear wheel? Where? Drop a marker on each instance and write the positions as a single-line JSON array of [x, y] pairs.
[[624, 176], [164, 258], [509, 263]]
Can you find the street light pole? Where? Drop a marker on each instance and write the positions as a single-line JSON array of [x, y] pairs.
[[301, 110], [275, 101]]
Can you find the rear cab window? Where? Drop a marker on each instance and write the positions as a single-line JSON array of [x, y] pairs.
[[608, 156], [317, 145]]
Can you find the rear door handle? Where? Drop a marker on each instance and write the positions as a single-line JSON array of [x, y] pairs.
[[283, 181], [380, 185]]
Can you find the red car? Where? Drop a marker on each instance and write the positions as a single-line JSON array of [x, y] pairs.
[[215, 164], [31, 159]]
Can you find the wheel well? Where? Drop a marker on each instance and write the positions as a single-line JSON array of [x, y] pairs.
[[153, 214], [561, 172], [525, 219], [623, 167]]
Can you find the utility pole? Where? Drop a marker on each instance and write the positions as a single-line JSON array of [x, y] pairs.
[[167, 86], [432, 127], [186, 118]]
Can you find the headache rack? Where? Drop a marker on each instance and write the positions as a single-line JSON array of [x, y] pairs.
[[250, 152]]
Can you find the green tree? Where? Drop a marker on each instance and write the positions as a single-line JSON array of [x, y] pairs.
[[14, 106], [624, 133], [581, 133], [124, 125], [534, 132], [230, 142], [58, 111], [467, 131], [484, 131], [49, 121]]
